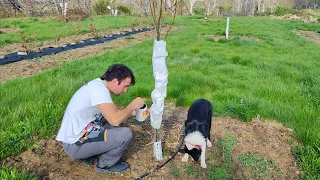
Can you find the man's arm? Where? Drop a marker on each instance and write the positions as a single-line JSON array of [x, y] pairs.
[[116, 116]]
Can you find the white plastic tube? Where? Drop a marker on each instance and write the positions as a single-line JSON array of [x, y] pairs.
[[227, 28], [157, 150], [160, 73]]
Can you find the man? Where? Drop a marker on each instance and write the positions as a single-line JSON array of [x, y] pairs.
[[83, 133]]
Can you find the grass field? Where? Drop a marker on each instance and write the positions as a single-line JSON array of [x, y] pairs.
[[40, 30], [276, 77]]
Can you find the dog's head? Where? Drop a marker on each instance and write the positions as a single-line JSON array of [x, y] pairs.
[[193, 150]]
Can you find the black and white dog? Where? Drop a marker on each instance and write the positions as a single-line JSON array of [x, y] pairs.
[[197, 131]]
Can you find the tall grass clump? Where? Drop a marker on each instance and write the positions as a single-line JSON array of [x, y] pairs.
[[308, 158], [14, 174], [245, 110]]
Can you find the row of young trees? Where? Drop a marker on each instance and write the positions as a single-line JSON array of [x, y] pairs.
[[208, 7]]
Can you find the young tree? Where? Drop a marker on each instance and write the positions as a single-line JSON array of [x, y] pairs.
[[160, 72]]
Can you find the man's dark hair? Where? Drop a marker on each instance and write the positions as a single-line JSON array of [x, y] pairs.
[[119, 72]]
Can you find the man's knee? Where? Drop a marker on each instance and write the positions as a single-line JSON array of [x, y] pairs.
[[127, 134]]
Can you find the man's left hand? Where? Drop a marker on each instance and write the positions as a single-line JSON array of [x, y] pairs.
[[147, 114]]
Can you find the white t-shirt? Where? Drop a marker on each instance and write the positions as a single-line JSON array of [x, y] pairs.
[[83, 109]]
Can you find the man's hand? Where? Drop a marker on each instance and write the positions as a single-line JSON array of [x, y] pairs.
[[137, 103], [147, 113], [134, 113]]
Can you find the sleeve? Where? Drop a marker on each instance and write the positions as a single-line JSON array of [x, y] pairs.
[[99, 95]]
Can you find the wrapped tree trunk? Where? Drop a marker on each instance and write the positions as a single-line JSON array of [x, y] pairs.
[[160, 73]]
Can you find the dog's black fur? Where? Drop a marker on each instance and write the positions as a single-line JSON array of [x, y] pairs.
[[198, 119]]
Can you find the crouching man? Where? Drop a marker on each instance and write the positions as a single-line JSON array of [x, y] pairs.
[[90, 123]]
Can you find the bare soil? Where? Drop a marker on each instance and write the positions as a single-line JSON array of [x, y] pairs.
[[304, 18], [9, 30], [309, 35], [267, 139], [217, 37]]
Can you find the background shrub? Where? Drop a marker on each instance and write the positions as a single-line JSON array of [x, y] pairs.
[[280, 11], [124, 9], [76, 15], [100, 7], [199, 11]]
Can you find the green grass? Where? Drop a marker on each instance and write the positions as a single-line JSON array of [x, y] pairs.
[[259, 167], [276, 78], [218, 173], [174, 170], [309, 161], [13, 174], [191, 170], [40, 30], [222, 171]]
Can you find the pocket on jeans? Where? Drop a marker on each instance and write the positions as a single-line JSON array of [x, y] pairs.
[[65, 146]]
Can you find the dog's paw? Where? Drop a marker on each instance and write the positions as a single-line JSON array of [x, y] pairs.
[[203, 165], [185, 158], [209, 144]]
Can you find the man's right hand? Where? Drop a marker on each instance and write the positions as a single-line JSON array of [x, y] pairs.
[[137, 103]]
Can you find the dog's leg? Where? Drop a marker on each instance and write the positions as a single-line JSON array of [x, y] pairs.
[[185, 157], [209, 144], [203, 157]]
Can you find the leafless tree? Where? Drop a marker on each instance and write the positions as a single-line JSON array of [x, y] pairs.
[[211, 6], [57, 7], [191, 5]]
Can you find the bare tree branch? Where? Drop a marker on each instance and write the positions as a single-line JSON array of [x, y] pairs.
[[174, 17]]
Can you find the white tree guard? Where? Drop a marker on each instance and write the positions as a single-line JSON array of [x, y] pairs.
[[160, 73], [227, 28]]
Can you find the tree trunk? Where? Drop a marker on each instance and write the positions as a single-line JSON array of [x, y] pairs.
[[239, 5], [259, 6], [57, 7], [146, 7], [192, 2]]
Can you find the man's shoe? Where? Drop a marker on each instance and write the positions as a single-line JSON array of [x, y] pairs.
[[89, 161], [117, 168]]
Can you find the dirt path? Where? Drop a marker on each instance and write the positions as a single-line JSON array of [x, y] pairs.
[[266, 139]]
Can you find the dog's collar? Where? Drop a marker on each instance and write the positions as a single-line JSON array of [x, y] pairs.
[[195, 146]]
